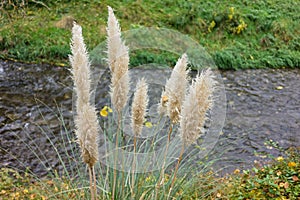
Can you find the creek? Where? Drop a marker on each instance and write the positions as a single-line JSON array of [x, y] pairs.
[[263, 111]]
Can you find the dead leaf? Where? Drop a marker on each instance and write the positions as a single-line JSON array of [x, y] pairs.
[[286, 185], [295, 178]]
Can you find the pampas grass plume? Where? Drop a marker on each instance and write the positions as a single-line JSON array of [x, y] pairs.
[[175, 90], [139, 106], [118, 60], [86, 118], [195, 106]]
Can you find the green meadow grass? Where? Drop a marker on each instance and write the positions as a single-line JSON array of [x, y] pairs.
[[237, 34]]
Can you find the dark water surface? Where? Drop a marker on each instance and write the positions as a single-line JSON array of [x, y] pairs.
[[263, 107]]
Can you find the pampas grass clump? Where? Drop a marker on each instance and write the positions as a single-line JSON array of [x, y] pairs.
[[189, 110]]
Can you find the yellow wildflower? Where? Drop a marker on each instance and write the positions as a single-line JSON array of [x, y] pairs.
[[103, 113], [242, 26], [148, 124], [292, 164], [105, 110], [211, 26], [280, 158], [149, 179]]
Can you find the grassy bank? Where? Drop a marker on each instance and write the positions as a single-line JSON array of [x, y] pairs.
[[238, 34], [278, 180]]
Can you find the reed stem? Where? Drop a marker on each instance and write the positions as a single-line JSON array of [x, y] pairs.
[[176, 170], [133, 169], [91, 183], [162, 174], [116, 156], [95, 182]]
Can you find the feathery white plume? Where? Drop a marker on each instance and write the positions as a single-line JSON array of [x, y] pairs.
[[86, 118], [118, 60], [195, 106], [175, 90], [139, 106]]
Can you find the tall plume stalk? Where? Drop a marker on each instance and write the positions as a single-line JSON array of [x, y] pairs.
[[194, 112], [171, 102], [118, 60], [139, 106], [86, 118], [175, 90], [138, 112]]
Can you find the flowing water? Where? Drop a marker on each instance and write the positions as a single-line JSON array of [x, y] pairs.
[[263, 110]]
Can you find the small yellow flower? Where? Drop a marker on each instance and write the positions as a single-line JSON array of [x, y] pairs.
[[242, 26], [25, 191], [280, 158], [236, 171], [231, 9], [292, 164], [103, 113], [149, 179], [2, 192], [148, 124], [211, 26], [105, 110]]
